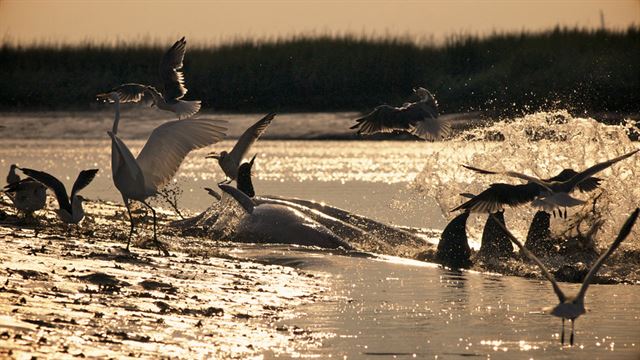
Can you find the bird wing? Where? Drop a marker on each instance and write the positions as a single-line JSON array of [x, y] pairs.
[[624, 232], [52, 183], [170, 74], [249, 137], [84, 178], [130, 92], [533, 258], [170, 143], [514, 174], [497, 195], [383, 119], [243, 181], [586, 185], [580, 177], [244, 201]]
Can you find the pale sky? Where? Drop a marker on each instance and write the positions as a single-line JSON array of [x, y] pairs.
[[67, 21]]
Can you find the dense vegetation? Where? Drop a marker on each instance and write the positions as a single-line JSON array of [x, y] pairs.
[[571, 68]]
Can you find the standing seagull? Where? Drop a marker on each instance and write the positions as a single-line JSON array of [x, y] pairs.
[[230, 161], [547, 194], [27, 195], [571, 307], [158, 161], [419, 118], [70, 207], [173, 85]]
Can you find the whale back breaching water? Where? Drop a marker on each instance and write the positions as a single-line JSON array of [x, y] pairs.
[[541, 144]]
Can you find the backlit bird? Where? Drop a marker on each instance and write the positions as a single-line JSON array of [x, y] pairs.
[[571, 307], [158, 161], [547, 194], [70, 209], [172, 82], [419, 118], [230, 161]]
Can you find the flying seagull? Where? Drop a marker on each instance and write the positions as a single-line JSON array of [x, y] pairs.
[[69, 207], [419, 118], [173, 85], [158, 161], [230, 161], [571, 307], [547, 194]]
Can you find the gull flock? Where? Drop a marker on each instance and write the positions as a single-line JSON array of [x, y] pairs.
[[141, 177]]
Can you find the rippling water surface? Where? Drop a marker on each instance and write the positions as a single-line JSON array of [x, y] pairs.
[[400, 308]]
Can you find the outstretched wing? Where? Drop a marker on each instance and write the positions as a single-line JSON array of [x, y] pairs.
[[624, 232], [170, 143], [498, 195], [52, 183], [170, 74], [249, 137], [580, 177], [84, 178], [587, 185], [514, 174], [243, 181], [130, 92], [382, 119], [533, 258]]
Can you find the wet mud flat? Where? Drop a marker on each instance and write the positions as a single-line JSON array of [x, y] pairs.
[[75, 292]]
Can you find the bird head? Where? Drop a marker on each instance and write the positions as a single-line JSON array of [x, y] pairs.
[[217, 156]]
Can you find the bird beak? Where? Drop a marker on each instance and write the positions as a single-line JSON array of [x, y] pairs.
[[213, 156], [252, 159]]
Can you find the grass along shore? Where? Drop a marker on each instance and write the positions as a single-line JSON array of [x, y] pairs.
[[583, 70]]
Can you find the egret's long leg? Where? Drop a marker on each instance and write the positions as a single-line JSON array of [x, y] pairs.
[[562, 336], [126, 203], [159, 245]]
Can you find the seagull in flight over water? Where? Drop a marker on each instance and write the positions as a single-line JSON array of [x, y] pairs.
[[70, 209], [547, 194], [419, 118], [173, 85], [571, 307], [230, 161]]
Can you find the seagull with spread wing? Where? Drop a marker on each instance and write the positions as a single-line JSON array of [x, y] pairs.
[[158, 161], [547, 194], [571, 307], [419, 118], [173, 85], [70, 209], [230, 161]]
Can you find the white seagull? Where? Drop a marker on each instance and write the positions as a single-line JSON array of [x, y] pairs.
[[230, 161], [158, 161], [173, 85], [547, 194], [571, 307], [419, 118], [70, 209]]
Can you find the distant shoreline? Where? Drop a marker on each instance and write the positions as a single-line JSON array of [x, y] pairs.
[[504, 74]]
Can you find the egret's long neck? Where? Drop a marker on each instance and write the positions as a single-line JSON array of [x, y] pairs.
[[116, 121]]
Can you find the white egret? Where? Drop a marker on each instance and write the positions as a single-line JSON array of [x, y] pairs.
[[173, 85], [571, 307], [70, 209], [158, 161], [419, 118], [230, 161]]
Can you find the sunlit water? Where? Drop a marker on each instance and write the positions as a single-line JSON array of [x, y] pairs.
[[385, 309], [406, 309]]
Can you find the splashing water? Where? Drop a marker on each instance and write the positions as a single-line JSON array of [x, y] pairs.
[[540, 144]]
